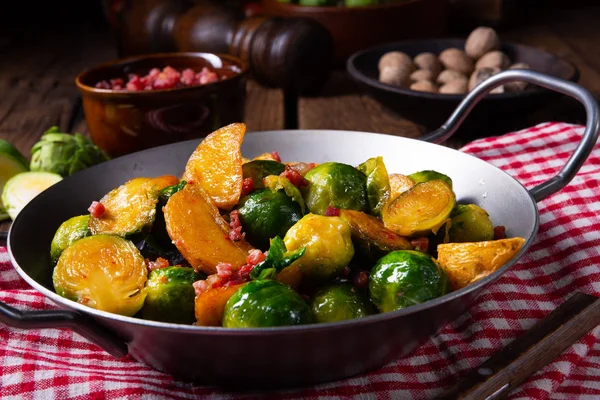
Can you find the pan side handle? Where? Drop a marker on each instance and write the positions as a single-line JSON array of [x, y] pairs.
[[75, 321], [577, 158]]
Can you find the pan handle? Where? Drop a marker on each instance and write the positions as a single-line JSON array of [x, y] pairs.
[[75, 321], [578, 157]]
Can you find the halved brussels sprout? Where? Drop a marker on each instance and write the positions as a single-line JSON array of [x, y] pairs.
[[328, 246], [105, 272], [264, 303], [378, 183], [130, 208], [371, 237], [265, 214], [404, 278], [421, 209], [67, 233], [260, 169], [470, 223], [337, 185], [429, 175], [338, 303], [170, 295]]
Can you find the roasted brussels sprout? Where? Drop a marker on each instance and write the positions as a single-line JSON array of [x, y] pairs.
[[170, 295], [470, 223], [67, 233], [337, 185], [260, 169], [404, 278], [378, 183], [264, 303], [265, 214], [370, 237], [328, 246], [105, 272], [339, 302], [429, 175], [420, 210]]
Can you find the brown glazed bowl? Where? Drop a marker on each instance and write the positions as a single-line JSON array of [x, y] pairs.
[[356, 28], [122, 122]]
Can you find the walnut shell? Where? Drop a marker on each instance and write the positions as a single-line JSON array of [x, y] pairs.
[[396, 76], [395, 59], [448, 75], [428, 61], [517, 86], [424, 86], [456, 86], [481, 40], [422, 75], [481, 75], [456, 60], [493, 59]]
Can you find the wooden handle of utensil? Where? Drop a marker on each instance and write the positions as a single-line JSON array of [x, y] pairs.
[[541, 344]]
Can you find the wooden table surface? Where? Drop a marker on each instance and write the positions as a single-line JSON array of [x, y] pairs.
[[37, 72]]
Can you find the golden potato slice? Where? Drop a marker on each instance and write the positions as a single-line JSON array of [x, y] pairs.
[[200, 233], [421, 209], [466, 263], [217, 165], [209, 306]]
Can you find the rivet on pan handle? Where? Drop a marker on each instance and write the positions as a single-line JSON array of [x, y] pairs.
[[581, 153]]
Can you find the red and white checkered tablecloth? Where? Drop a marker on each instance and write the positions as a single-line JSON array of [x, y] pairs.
[[57, 364]]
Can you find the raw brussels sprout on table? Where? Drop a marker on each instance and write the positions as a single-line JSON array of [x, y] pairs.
[[250, 243]]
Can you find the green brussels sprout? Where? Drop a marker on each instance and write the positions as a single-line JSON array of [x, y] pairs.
[[378, 183], [170, 295], [68, 232], [64, 154], [264, 303], [265, 214], [426, 176], [404, 278], [470, 223], [338, 185], [328, 244], [12, 162], [338, 303], [260, 169]]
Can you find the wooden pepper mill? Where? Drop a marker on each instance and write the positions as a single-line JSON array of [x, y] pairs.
[[294, 54]]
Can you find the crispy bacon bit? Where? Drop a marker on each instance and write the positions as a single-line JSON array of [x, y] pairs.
[[332, 212], [255, 257], [236, 226], [302, 167], [224, 270], [247, 186], [294, 177], [361, 280], [157, 264], [241, 275], [420, 244], [275, 156], [200, 287], [499, 232], [97, 209]]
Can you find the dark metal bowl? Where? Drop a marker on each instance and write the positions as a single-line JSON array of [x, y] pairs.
[[298, 355], [432, 109]]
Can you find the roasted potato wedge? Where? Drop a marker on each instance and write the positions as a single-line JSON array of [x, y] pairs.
[[217, 165], [210, 305], [200, 233], [469, 262]]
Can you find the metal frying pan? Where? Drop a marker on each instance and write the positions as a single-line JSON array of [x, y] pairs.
[[300, 354]]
